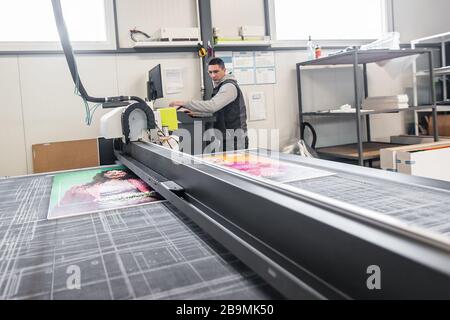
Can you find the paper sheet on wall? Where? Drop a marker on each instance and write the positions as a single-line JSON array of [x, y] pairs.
[[265, 75], [264, 59], [243, 60], [245, 76], [257, 106], [250, 68], [173, 78]]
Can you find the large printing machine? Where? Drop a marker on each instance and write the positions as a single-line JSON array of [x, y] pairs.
[[317, 238], [314, 238], [351, 233]]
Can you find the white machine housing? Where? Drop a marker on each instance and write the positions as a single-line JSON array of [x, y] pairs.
[[111, 125], [176, 34]]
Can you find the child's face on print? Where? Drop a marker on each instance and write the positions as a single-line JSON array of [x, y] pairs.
[[115, 174]]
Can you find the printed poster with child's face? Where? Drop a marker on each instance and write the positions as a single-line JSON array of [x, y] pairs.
[[258, 166], [88, 191]]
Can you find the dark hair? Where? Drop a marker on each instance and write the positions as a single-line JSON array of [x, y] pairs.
[[217, 62], [100, 177]]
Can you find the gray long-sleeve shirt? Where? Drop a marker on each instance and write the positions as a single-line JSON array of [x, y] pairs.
[[226, 95]]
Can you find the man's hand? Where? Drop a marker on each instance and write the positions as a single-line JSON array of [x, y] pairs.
[[189, 112], [175, 104], [179, 105]]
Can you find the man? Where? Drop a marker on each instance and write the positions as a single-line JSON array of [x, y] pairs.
[[227, 105]]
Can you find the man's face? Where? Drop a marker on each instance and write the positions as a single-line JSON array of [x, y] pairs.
[[216, 72]]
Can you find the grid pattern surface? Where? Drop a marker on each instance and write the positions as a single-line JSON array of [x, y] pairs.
[[419, 207], [148, 252]]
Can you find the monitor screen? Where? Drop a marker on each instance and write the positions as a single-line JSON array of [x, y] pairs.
[[154, 84]]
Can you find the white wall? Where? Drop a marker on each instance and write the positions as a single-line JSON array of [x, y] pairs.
[[39, 105], [51, 111], [263, 141], [150, 15], [132, 73], [420, 18], [12, 142], [229, 15]]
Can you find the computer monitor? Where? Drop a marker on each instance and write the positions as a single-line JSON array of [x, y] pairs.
[[154, 84]]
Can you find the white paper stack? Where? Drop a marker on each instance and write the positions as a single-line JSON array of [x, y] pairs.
[[387, 102]]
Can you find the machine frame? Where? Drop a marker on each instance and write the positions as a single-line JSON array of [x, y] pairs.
[[303, 247]]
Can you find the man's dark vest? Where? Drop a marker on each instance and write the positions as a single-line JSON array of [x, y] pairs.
[[232, 116]]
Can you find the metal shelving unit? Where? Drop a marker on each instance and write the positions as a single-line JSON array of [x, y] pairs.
[[438, 72], [364, 57], [441, 72], [366, 112]]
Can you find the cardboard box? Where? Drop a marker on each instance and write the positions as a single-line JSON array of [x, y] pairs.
[[428, 163], [67, 155], [388, 157], [443, 124]]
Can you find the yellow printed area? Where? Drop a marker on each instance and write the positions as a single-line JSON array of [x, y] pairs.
[[169, 118], [232, 158]]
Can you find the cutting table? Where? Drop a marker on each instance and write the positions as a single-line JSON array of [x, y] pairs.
[[148, 252], [228, 233]]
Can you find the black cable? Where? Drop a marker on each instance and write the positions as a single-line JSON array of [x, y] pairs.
[[313, 132], [126, 116], [135, 31], [68, 52]]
